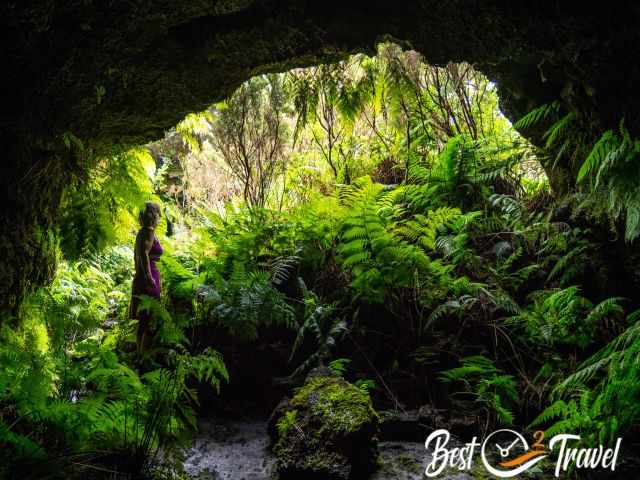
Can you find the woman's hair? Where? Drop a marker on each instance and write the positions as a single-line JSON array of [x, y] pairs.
[[146, 217]]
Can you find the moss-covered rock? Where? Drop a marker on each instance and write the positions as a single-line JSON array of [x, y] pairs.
[[328, 430]]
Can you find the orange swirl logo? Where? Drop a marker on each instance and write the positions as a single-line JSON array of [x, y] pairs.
[[519, 464]]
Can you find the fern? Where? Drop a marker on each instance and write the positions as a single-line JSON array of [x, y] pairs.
[[559, 130], [103, 210], [614, 190], [599, 152], [339, 366], [207, 367], [621, 353], [282, 268], [491, 388], [424, 229], [538, 115], [565, 317], [569, 265], [326, 331], [179, 280], [557, 409], [244, 303]]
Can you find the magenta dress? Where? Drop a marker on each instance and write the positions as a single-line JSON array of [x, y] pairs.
[[154, 256], [139, 288]]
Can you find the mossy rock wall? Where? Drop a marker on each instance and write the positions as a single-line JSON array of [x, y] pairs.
[[328, 431]]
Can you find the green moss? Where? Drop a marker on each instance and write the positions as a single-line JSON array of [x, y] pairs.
[[314, 459], [287, 421], [340, 406], [327, 431], [322, 461], [284, 451]]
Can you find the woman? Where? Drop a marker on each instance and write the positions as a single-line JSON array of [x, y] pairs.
[[147, 277]]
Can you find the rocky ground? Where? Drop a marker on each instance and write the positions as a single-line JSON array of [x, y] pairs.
[[239, 450], [230, 450]]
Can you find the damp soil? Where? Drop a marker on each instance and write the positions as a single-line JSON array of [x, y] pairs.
[[239, 450], [230, 450], [225, 449]]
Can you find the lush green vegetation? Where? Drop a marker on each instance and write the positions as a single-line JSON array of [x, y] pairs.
[[384, 218]]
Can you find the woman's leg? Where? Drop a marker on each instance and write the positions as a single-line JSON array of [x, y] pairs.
[[143, 336]]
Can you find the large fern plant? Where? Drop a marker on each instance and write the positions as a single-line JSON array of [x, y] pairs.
[[493, 390], [599, 400], [612, 172], [377, 258], [244, 303], [564, 317]]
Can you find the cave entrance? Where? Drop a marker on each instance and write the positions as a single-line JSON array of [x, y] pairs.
[[322, 126], [389, 125], [282, 142]]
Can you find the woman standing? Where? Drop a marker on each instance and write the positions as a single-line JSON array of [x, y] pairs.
[[147, 277]]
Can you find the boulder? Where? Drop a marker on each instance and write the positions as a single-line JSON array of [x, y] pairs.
[[328, 430]]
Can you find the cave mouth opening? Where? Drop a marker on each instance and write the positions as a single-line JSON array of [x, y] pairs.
[[324, 126], [284, 142]]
